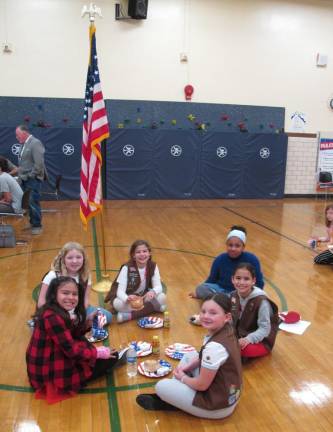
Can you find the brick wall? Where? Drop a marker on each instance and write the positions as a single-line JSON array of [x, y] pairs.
[[301, 165]]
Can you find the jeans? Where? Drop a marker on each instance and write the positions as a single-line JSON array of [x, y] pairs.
[[35, 212], [206, 289]]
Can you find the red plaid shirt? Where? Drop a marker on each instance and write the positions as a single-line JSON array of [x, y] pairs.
[[59, 354]]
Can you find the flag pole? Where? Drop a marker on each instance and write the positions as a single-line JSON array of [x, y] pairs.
[[102, 285]]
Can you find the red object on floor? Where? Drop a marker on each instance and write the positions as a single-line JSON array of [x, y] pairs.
[[255, 350], [290, 317]]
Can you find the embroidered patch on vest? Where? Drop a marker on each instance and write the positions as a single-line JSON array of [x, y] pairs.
[[234, 393]]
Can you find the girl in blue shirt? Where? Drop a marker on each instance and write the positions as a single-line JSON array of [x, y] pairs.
[[224, 265]]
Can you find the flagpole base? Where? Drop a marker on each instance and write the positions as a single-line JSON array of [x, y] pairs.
[[102, 286]]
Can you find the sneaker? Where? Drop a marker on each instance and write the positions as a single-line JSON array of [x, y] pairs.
[[195, 319], [36, 230], [122, 359], [31, 323], [123, 316], [152, 402]]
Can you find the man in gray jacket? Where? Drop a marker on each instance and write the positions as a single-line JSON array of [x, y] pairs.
[[31, 171]]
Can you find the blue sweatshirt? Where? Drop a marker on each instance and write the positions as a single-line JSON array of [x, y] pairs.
[[223, 268]]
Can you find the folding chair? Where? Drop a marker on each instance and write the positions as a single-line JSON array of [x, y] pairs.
[[56, 188], [55, 193], [324, 183], [25, 208]]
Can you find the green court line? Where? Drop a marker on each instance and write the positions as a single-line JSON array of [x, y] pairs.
[[114, 417], [26, 389], [96, 251], [283, 301], [20, 389], [111, 389], [134, 386], [113, 404]]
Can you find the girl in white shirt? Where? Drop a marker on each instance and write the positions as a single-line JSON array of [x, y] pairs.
[[72, 261], [137, 290]]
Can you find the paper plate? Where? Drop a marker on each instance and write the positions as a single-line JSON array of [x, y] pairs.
[[150, 322], [177, 350], [142, 348], [164, 369], [92, 339]]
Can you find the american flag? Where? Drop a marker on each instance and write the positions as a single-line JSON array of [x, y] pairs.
[[95, 130]]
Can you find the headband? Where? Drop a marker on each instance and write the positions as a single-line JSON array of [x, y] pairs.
[[237, 233]]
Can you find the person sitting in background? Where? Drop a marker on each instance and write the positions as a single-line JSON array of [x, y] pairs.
[[10, 191], [326, 256], [12, 169]]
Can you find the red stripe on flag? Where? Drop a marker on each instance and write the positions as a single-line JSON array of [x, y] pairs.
[[95, 130]]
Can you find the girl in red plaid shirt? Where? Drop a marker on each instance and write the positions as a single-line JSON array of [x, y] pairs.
[[60, 361]]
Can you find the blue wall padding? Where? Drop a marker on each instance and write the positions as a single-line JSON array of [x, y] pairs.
[[67, 113], [154, 171], [150, 164]]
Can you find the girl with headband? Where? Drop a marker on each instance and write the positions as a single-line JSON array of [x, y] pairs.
[[224, 265]]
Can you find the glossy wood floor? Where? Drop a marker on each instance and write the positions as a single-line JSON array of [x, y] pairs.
[[291, 390]]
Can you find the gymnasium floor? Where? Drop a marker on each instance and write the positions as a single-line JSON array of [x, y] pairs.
[[290, 390]]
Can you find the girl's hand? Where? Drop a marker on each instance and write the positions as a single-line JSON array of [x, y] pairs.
[[113, 353], [150, 295], [178, 374], [243, 342], [132, 297], [179, 369], [103, 352], [91, 316]]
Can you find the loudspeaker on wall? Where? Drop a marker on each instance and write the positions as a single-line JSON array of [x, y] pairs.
[[138, 9]]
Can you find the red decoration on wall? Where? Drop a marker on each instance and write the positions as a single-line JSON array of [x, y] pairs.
[[188, 92]]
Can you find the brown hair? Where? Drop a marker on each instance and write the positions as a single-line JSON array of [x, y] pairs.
[[222, 300], [247, 266], [52, 303], [238, 228], [3, 164], [327, 222], [136, 244]]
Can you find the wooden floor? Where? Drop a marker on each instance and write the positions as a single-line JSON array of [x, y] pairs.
[[291, 390]]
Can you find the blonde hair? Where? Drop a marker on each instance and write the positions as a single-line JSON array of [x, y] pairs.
[[58, 264]]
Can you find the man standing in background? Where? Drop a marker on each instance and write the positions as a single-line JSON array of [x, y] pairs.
[[31, 172]]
